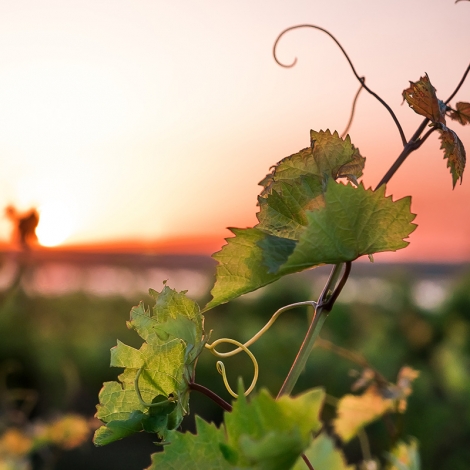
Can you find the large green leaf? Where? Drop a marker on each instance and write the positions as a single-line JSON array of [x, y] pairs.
[[283, 210], [307, 219], [350, 223], [260, 434], [354, 222], [174, 337], [240, 269]]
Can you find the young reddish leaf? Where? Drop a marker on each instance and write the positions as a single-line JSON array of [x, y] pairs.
[[454, 151], [462, 113], [421, 96]]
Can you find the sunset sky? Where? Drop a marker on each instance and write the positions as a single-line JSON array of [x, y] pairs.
[[148, 120]]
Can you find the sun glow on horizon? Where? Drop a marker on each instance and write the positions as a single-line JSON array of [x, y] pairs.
[[56, 224]]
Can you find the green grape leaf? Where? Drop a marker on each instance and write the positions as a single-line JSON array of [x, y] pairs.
[[173, 339], [421, 96], [201, 450], [462, 113], [269, 434], [323, 455], [404, 456], [454, 151], [240, 269], [283, 210], [262, 434], [329, 155], [293, 234], [354, 222]]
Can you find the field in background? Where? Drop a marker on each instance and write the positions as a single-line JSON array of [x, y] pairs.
[[61, 312]]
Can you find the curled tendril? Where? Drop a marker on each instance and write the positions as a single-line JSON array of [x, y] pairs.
[[361, 80], [309, 303], [221, 367], [139, 395]]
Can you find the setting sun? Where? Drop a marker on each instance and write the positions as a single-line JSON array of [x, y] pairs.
[[55, 225]]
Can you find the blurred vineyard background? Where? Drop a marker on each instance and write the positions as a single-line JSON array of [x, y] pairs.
[[61, 312]]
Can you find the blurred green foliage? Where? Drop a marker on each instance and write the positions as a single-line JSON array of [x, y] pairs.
[[62, 344]]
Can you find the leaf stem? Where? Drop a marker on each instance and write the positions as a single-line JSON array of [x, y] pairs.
[[467, 70], [324, 306], [307, 462], [210, 394]]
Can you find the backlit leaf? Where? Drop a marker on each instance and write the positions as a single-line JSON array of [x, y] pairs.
[[269, 434], [186, 451], [354, 222], [283, 210], [454, 151], [240, 269], [328, 155], [461, 113], [356, 411], [262, 434], [323, 455], [421, 96], [307, 219], [174, 337]]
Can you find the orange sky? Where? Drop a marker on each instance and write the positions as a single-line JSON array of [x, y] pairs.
[[151, 119]]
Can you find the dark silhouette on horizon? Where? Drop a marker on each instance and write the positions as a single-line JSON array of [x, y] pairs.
[[25, 226]]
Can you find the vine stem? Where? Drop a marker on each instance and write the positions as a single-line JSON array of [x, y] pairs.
[[361, 79], [321, 312]]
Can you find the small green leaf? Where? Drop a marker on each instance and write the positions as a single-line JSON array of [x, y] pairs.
[[421, 96], [461, 113], [186, 451], [174, 337], [323, 455], [454, 151]]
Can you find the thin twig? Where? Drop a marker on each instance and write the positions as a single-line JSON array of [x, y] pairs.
[[459, 85], [353, 108], [325, 304], [307, 462], [395, 119], [415, 142], [210, 394]]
